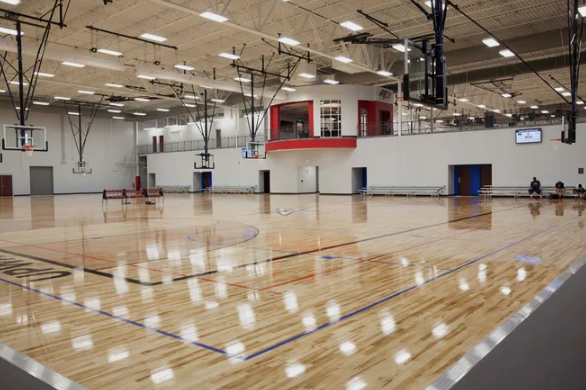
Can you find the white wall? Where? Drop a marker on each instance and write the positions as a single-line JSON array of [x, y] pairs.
[[418, 160], [231, 124], [110, 144]]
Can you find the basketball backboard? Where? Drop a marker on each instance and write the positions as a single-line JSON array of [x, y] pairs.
[[206, 161], [422, 83], [254, 151], [17, 137]]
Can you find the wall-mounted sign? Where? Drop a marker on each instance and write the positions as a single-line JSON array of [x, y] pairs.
[[384, 95]]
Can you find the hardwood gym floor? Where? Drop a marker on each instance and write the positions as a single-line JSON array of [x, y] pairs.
[[271, 292]]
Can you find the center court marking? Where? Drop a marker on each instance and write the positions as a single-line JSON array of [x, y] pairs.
[[291, 339]]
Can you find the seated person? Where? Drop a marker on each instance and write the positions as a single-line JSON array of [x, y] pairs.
[[535, 187], [560, 189], [579, 191]]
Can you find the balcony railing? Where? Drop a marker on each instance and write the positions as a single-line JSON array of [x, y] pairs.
[[238, 141], [416, 127], [291, 132]]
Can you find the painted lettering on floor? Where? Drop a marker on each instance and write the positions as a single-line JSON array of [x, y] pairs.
[[28, 269]]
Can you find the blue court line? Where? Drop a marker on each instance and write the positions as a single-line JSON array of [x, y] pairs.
[[155, 330], [358, 311]]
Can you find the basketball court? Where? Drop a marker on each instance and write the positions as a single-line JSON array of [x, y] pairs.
[[282, 195], [338, 292]]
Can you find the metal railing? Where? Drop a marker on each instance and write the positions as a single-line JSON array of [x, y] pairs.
[[237, 141], [291, 132], [420, 127]]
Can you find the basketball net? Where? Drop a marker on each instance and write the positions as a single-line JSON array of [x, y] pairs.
[[29, 149]]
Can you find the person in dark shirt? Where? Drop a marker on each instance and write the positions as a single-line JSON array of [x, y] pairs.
[[560, 189], [535, 187]]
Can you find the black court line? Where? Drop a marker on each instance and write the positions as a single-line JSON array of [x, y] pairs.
[[288, 256]]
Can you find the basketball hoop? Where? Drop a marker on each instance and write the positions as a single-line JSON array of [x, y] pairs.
[[556, 143], [29, 149], [83, 172]]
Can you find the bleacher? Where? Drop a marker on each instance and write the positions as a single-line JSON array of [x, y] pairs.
[[124, 195], [515, 191], [175, 189], [231, 189], [403, 190]]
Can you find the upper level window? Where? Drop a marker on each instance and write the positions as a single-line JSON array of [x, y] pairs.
[[331, 118]]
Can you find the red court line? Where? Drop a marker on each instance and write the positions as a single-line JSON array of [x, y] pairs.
[[130, 265], [362, 261]]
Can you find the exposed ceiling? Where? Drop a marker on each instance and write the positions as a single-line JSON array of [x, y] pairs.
[[536, 29]]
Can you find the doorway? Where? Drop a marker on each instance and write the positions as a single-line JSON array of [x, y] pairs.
[[41, 179], [358, 180], [469, 179], [264, 182], [152, 181], [307, 180], [6, 185], [206, 180]]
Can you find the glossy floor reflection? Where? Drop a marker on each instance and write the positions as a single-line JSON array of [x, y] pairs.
[[271, 292]]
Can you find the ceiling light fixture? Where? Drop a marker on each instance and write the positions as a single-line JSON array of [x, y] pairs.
[[142, 99], [506, 53], [9, 31], [507, 95], [463, 100], [331, 81], [545, 112], [456, 114], [579, 102], [163, 109], [117, 117], [184, 67], [73, 64], [217, 100], [534, 107], [400, 47], [491, 42], [289, 41], [145, 77], [41, 103], [566, 94], [343, 59], [110, 52], [139, 113], [214, 17], [189, 105], [86, 92], [191, 97], [44, 74], [115, 111], [307, 75], [559, 89], [582, 11], [61, 98], [384, 73], [74, 113], [496, 110], [521, 101], [152, 37], [14, 82], [242, 79], [481, 106], [114, 85], [288, 89], [117, 104], [11, 2], [229, 56], [351, 26]]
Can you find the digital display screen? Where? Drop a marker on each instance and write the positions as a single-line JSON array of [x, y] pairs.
[[528, 136]]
